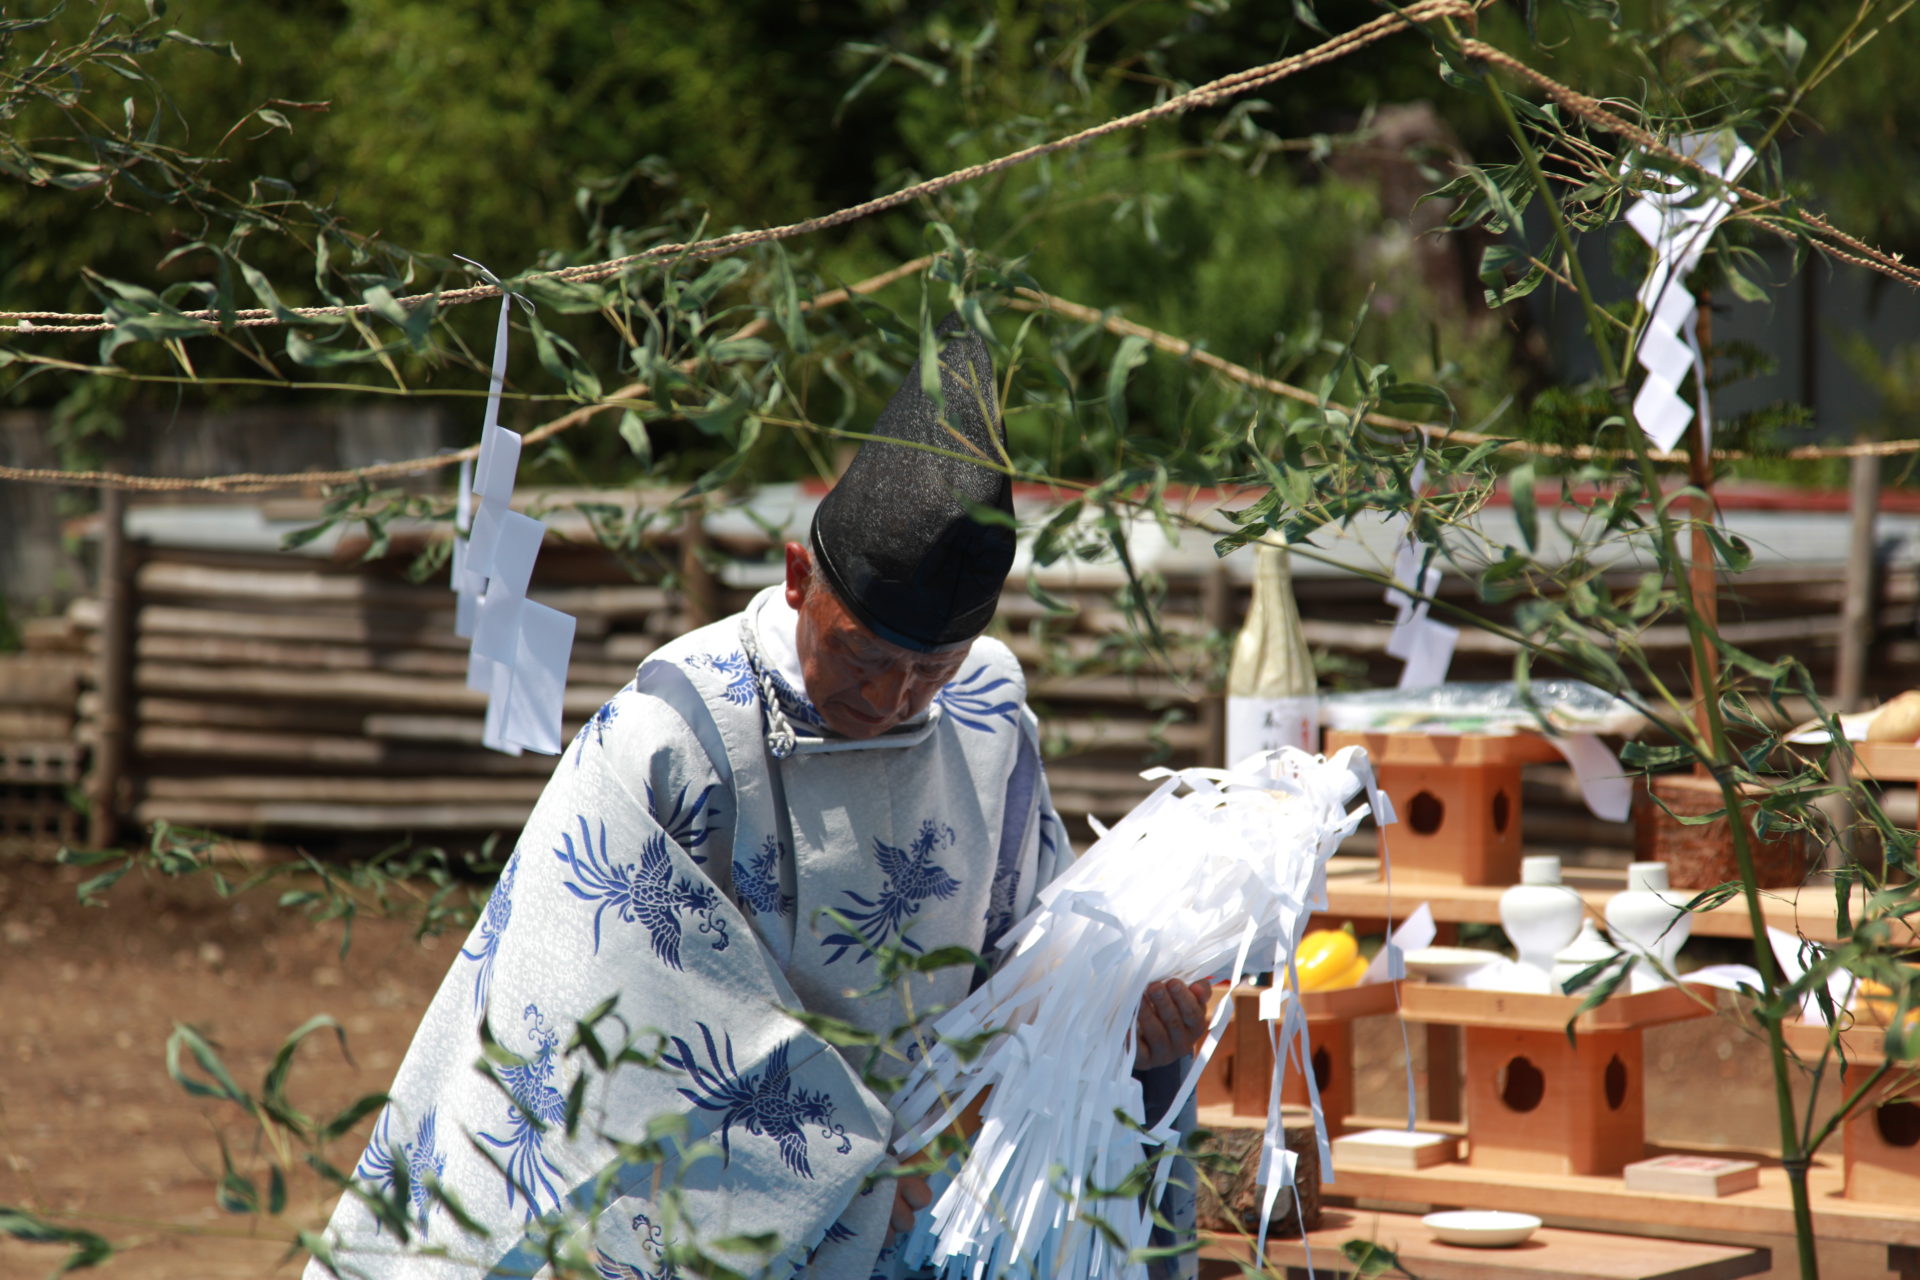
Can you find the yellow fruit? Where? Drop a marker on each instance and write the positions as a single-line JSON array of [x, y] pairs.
[[1351, 978], [1324, 955]]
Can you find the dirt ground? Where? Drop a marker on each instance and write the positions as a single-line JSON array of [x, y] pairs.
[[92, 1129], [94, 1133]]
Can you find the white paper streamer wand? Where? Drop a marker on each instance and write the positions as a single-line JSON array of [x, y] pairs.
[[1148, 901]]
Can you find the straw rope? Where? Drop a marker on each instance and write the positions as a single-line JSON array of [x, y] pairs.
[[1027, 300]]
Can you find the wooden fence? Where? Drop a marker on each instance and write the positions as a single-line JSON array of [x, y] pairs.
[[306, 699]]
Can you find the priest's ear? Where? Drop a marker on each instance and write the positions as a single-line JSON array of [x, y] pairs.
[[799, 574]]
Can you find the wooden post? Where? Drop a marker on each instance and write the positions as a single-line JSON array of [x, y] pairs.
[[1216, 606], [113, 674], [1700, 569], [699, 588], [1859, 607]]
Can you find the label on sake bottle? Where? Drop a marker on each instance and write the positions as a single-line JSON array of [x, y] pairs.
[[1267, 724]]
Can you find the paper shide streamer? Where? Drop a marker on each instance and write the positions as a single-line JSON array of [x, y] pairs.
[[520, 648], [1214, 875], [1677, 223]]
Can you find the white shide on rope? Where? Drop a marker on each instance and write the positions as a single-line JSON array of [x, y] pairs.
[[1213, 875]]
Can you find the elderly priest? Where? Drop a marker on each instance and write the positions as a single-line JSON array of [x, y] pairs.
[[654, 1046]]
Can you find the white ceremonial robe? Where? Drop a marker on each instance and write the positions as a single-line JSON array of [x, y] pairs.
[[679, 895]]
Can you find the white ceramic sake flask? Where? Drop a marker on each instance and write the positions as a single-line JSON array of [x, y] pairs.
[[1647, 921], [1584, 952], [1540, 915]]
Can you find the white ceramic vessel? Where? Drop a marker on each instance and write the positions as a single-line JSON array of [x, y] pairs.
[[1585, 951], [1541, 916], [1483, 1228], [1648, 922]]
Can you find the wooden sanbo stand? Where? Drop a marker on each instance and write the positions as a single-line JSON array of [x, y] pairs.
[[1458, 800]]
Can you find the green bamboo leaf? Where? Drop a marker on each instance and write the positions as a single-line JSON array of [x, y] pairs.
[[1526, 513], [89, 1249], [217, 1082], [1132, 353], [351, 1115]]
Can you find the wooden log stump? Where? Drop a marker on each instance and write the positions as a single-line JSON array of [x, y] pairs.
[[1229, 1192]]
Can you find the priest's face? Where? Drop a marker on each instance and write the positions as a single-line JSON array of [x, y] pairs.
[[861, 685]]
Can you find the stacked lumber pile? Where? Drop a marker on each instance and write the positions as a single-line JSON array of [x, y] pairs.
[[284, 695], [296, 696], [40, 759]]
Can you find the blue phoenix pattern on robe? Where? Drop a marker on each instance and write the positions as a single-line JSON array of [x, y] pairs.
[[758, 884], [764, 1103], [421, 1160], [492, 926], [682, 822], [645, 893], [651, 1245], [596, 726], [912, 877], [741, 689], [973, 702], [537, 1106]]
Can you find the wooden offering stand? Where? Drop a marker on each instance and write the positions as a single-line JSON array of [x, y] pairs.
[[1880, 1144], [1240, 1074], [1536, 1103], [1458, 800]]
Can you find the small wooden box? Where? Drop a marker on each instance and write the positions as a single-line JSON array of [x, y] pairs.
[[1880, 1145], [1692, 1175], [1458, 800], [1393, 1149], [1240, 1074], [1536, 1103]]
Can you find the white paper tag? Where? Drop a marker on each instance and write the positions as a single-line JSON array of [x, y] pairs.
[[539, 679], [1418, 930], [1603, 782]]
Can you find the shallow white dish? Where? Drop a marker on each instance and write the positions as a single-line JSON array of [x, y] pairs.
[[1483, 1228], [1449, 965]]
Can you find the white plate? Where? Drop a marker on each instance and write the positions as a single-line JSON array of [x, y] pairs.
[[1449, 965], [1485, 1228]]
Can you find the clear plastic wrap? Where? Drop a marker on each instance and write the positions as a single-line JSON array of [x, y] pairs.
[[1497, 707]]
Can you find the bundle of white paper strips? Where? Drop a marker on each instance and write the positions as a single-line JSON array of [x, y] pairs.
[[1212, 875], [520, 649], [1678, 224]]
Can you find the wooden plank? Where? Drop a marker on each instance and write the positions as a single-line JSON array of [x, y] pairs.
[[375, 687], [332, 817], [1765, 1210], [1464, 750], [396, 627], [307, 789], [1355, 890], [1888, 761], [39, 681], [160, 741], [1518, 1010], [1553, 1253], [19, 724]]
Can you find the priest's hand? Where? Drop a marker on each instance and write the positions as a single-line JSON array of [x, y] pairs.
[[911, 1195], [1172, 1022]]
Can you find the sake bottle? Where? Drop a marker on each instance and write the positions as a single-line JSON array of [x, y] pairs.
[[1271, 701]]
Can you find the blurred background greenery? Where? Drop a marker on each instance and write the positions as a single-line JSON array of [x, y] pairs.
[[539, 135]]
